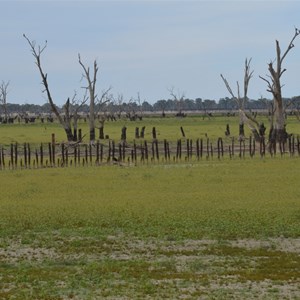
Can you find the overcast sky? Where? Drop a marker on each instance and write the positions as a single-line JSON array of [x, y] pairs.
[[146, 46]]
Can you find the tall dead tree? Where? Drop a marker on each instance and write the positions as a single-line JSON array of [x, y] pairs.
[[278, 131], [63, 120], [244, 117], [3, 97], [91, 87]]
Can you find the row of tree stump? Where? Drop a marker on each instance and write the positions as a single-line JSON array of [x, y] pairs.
[[61, 155]]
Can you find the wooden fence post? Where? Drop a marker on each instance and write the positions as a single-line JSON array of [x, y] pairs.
[[153, 150], [63, 154], [41, 156], [123, 151], [90, 154], [101, 152], [97, 153], [86, 153], [37, 158], [67, 157], [25, 155], [3, 158], [134, 151], [29, 154], [50, 153], [146, 150], [142, 135], [207, 148], [137, 132], [201, 148], [0, 157], [182, 131], [165, 149], [12, 155], [156, 148], [154, 133], [142, 153]]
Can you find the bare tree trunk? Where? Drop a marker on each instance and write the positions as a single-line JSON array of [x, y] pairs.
[[37, 55], [92, 93], [241, 102], [278, 132]]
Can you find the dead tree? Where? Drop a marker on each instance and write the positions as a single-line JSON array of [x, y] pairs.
[[94, 100], [3, 97], [278, 127], [91, 87], [65, 122], [75, 107], [100, 104], [119, 102], [244, 117], [179, 100]]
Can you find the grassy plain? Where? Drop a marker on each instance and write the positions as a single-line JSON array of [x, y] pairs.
[[167, 128], [213, 229]]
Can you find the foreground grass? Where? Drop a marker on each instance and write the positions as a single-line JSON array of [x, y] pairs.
[[213, 229]]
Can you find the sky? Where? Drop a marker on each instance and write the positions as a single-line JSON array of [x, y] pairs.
[[146, 47]]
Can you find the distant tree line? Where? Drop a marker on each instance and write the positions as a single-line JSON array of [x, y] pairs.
[[198, 104]]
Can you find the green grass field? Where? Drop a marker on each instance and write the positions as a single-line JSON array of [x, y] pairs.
[[213, 229], [167, 128]]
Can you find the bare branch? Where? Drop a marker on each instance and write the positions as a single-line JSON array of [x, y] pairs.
[[270, 88], [247, 76], [228, 86], [291, 45], [237, 99]]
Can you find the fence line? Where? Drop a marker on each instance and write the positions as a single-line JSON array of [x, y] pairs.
[[66, 154]]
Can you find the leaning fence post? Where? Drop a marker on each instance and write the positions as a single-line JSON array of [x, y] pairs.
[[182, 131]]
